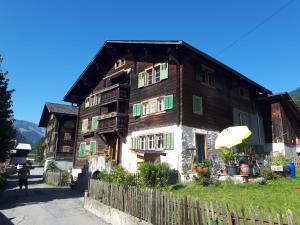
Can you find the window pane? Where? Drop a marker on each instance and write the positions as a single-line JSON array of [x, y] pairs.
[[157, 74], [149, 77]]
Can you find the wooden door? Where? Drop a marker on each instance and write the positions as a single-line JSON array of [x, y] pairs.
[[200, 148]]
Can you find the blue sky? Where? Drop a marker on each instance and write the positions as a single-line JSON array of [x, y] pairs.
[[47, 44]]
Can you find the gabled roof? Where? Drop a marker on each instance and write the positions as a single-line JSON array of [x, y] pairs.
[[58, 109], [100, 56], [288, 104]]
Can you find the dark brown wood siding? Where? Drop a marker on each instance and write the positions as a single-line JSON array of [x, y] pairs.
[[218, 101], [163, 88]]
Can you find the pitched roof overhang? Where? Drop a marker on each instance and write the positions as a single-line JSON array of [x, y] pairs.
[[58, 109], [74, 92]]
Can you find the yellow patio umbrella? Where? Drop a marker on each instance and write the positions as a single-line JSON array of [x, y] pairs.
[[232, 136]]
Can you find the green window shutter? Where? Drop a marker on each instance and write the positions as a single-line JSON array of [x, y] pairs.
[[165, 141], [82, 149], [169, 141], [168, 102], [197, 105], [134, 143], [164, 71], [136, 110], [95, 123], [199, 74], [84, 126], [141, 79], [93, 146], [171, 146]]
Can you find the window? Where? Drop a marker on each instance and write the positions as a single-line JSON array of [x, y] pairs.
[[149, 75], [160, 105], [205, 75], [119, 63], [197, 105], [66, 149], [85, 124], [93, 146], [153, 142], [157, 105], [95, 123], [159, 139], [244, 119], [67, 136], [153, 75], [136, 109], [150, 142], [142, 142], [157, 74], [82, 149]]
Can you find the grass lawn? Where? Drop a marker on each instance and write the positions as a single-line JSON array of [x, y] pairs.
[[276, 194]]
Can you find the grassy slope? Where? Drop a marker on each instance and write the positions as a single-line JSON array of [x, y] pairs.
[[275, 194]]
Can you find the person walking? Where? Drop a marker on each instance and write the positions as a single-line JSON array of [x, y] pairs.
[[23, 174]]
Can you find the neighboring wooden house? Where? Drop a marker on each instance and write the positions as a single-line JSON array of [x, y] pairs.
[[282, 123], [161, 101], [60, 123]]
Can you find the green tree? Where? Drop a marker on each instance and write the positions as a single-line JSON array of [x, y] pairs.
[[38, 151], [7, 131]]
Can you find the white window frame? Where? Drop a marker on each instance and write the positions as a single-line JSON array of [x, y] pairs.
[[157, 136], [151, 142], [149, 74], [157, 67], [119, 63], [68, 147]]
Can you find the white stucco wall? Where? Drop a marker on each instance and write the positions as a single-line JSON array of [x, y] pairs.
[[98, 163], [281, 148], [172, 157], [181, 157]]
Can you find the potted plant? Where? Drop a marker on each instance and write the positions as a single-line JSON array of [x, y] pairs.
[[280, 164], [229, 159], [202, 167]]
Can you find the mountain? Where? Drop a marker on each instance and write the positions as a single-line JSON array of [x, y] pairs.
[[28, 132], [295, 93], [296, 96]]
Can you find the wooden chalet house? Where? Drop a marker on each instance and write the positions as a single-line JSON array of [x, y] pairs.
[[162, 101], [60, 124]]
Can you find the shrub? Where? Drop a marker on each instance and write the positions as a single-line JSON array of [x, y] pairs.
[[118, 175], [280, 160], [156, 175], [204, 178], [162, 174], [148, 173], [52, 167], [104, 176], [267, 173]]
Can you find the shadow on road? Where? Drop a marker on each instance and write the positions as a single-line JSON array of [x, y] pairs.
[[4, 220], [37, 193]]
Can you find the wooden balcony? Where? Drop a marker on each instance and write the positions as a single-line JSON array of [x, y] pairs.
[[117, 122], [118, 92]]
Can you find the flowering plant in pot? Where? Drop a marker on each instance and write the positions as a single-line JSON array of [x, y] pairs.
[[229, 159], [202, 167]]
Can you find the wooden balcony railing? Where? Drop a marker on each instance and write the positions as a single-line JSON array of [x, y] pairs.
[[114, 93], [115, 123]]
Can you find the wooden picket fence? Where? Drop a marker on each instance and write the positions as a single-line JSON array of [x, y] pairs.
[[56, 178], [164, 208]]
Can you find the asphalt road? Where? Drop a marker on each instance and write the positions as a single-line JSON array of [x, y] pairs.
[[43, 205]]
